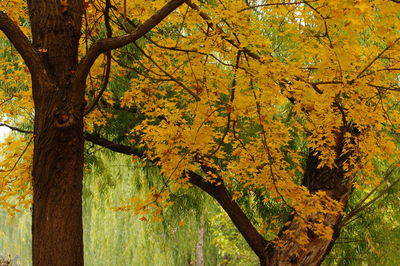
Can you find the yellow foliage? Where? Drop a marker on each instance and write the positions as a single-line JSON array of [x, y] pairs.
[[215, 83]]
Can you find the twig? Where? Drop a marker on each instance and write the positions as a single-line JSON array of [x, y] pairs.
[[108, 63], [16, 129]]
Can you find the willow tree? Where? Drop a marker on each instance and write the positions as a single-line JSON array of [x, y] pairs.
[[290, 99]]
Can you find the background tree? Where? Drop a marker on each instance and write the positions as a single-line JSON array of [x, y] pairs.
[[289, 101]]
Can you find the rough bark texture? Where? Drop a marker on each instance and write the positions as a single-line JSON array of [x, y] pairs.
[[58, 142], [58, 84], [334, 183]]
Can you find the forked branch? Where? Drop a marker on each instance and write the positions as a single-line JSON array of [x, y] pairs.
[[104, 45]]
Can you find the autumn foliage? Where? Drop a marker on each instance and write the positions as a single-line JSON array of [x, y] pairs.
[[292, 101]]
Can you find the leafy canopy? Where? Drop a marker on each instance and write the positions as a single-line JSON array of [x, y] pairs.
[[233, 89]]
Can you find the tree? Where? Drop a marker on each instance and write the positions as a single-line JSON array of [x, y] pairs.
[[290, 101]]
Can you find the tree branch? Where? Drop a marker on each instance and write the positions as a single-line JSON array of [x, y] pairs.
[[21, 43], [220, 193], [272, 4], [195, 96], [350, 217], [216, 190], [376, 58], [207, 19], [120, 148], [16, 129], [177, 49], [108, 44], [107, 70], [96, 139]]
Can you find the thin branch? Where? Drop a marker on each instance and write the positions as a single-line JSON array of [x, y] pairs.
[[382, 69], [207, 18], [103, 85], [137, 60], [120, 148], [108, 62], [376, 58], [327, 35], [394, 88], [269, 155], [177, 49], [228, 122], [272, 4], [16, 129], [19, 159], [125, 17], [346, 220], [104, 45], [169, 75], [139, 72], [388, 173]]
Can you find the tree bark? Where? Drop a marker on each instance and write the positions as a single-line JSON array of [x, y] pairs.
[[333, 182], [58, 85], [200, 243], [221, 194], [57, 235]]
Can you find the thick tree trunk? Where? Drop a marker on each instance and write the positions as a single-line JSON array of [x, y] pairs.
[[334, 183], [289, 251], [292, 253], [286, 249], [58, 135]]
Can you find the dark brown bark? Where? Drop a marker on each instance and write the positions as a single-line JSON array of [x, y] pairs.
[[120, 148], [238, 217], [57, 234], [58, 85]]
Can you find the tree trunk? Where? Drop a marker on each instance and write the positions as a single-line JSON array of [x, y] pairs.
[[338, 187], [200, 244], [58, 135]]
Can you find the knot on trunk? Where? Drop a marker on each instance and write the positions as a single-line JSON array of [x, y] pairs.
[[63, 119]]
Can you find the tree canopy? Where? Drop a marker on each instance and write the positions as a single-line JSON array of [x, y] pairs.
[[294, 103]]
